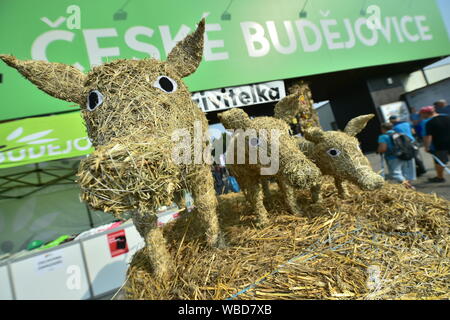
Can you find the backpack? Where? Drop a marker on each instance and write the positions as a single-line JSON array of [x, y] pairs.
[[404, 148], [234, 186]]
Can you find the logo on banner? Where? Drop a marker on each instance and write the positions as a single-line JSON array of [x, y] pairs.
[[232, 97], [18, 147]]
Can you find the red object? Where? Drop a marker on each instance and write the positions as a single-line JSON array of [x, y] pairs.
[[117, 243], [427, 109]]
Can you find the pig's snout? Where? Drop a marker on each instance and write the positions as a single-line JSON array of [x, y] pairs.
[[368, 180]]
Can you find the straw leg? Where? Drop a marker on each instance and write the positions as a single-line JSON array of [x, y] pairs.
[[255, 196], [315, 193], [205, 201], [155, 246], [289, 197], [266, 189], [342, 190]]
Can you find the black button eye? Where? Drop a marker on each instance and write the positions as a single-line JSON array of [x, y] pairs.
[[95, 98], [334, 152], [166, 84]]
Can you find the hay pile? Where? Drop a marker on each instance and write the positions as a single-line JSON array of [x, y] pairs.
[[388, 244]]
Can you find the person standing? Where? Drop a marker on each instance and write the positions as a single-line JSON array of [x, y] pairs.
[[415, 119], [436, 139], [442, 107], [402, 171], [406, 128]]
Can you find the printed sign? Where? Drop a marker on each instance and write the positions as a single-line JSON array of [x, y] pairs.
[[50, 261], [241, 96], [117, 242]]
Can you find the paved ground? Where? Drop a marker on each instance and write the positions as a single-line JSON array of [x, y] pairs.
[[421, 184]]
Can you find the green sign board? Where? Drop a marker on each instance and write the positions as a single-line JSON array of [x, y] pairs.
[[247, 41], [42, 139]]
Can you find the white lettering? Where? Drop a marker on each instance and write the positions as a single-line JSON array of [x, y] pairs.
[[79, 147], [309, 46], [33, 155], [39, 46], [367, 41], [423, 29], [170, 43], [403, 22], [96, 53], [352, 40], [53, 150], [255, 37], [211, 44], [74, 20], [133, 43], [331, 36], [292, 45], [397, 30]]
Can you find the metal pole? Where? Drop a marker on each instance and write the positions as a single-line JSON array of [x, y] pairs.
[[91, 222]]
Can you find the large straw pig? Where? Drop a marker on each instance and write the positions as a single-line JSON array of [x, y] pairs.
[[131, 108]]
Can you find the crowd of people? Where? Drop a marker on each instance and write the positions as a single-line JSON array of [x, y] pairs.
[[400, 140]]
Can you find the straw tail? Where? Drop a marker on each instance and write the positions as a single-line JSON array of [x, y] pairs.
[[186, 56], [356, 125], [57, 79], [235, 119]]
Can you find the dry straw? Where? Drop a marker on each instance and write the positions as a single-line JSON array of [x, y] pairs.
[[391, 243], [297, 107]]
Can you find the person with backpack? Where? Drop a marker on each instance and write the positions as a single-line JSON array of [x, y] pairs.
[[399, 151], [407, 129]]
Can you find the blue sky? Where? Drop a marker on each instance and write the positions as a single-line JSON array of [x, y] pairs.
[[444, 5]]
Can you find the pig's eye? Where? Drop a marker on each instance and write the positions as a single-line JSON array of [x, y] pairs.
[[95, 98], [334, 152], [165, 84]]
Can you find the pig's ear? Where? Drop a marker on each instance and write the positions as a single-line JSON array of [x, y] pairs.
[[186, 56], [314, 134], [287, 107], [57, 79], [356, 125]]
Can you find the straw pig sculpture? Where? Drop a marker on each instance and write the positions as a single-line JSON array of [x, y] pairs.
[[295, 170], [131, 108], [336, 153]]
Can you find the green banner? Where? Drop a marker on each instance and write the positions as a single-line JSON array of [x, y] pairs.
[[247, 41], [42, 139]]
